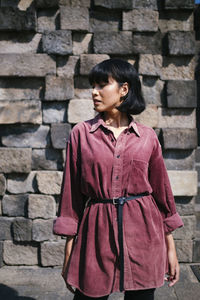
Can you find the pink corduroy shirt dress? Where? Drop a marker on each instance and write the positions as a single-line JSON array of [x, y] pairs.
[[98, 166]]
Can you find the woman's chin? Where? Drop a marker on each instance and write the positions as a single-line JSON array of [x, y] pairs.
[[97, 109]]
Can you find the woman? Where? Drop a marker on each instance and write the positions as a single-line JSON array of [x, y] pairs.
[[117, 208]]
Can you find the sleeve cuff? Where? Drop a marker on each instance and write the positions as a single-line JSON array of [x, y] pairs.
[[65, 226], [173, 222]]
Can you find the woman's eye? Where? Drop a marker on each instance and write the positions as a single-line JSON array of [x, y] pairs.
[[99, 86], [102, 85]]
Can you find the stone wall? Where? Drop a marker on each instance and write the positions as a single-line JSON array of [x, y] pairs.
[[46, 51]]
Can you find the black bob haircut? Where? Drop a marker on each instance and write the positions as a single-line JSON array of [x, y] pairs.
[[122, 72]]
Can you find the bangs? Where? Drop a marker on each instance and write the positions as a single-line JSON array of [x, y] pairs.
[[99, 74]]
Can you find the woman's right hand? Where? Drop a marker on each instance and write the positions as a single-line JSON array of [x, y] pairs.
[[68, 250]]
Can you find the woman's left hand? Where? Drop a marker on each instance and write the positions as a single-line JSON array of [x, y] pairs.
[[174, 269]]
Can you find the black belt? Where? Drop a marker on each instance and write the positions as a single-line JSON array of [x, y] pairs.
[[120, 203]]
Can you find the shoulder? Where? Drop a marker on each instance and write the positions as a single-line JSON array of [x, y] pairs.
[[82, 128], [146, 131]]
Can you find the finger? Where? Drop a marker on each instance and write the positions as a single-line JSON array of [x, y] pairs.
[[175, 278], [172, 273]]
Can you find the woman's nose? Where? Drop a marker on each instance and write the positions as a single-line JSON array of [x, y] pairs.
[[94, 91]]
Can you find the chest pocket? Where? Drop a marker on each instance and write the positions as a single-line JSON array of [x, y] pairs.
[[138, 177]]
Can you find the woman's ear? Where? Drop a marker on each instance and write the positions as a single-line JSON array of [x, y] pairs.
[[124, 89]]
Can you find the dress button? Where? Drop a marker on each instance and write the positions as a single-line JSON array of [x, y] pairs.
[[118, 156], [117, 177]]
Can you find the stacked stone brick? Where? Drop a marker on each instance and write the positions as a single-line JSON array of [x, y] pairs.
[[47, 49]]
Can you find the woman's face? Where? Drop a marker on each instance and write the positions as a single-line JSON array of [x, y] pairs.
[[107, 95]]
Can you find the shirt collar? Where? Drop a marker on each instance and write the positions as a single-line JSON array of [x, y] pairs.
[[98, 121]]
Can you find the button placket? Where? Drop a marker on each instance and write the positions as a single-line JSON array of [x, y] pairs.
[[118, 167]]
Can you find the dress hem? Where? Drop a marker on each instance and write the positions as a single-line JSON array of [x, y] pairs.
[[113, 291]]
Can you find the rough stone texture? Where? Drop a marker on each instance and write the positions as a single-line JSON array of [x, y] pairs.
[[88, 61], [2, 183], [184, 250], [179, 160], [75, 3], [185, 205], [59, 88], [105, 21], [187, 231], [152, 89], [183, 183], [54, 112], [12, 112], [41, 206], [114, 3], [12, 18], [191, 290], [5, 228], [17, 254], [83, 93], [151, 4], [148, 117], [42, 230], [47, 20], [15, 205], [140, 20], [181, 93], [47, 159], [26, 64], [57, 42], [150, 64], [187, 138], [26, 136], [178, 68], [181, 43], [22, 5], [178, 4], [49, 182], [197, 155], [74, 18], [18, 89], [171, 21], [59, 135], [67, 66], [82, 43], [113, 42], [19, 43], [52, 253], [22, 229], [15, 160], [196, 251], [176, 118], [80, 110], [1, 254], [82, 82], [147, 43], [21, 184], [35, 282]]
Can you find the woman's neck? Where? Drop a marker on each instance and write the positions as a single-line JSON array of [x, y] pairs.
[[116, 119]]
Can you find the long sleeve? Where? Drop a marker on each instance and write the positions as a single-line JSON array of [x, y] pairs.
[[71, 204], [162, 191]]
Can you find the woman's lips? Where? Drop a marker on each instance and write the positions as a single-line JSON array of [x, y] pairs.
[[96, 101]]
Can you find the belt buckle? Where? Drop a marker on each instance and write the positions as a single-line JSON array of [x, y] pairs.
[[114, 201]]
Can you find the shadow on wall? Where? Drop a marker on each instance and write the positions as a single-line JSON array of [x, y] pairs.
[[9, 293]]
